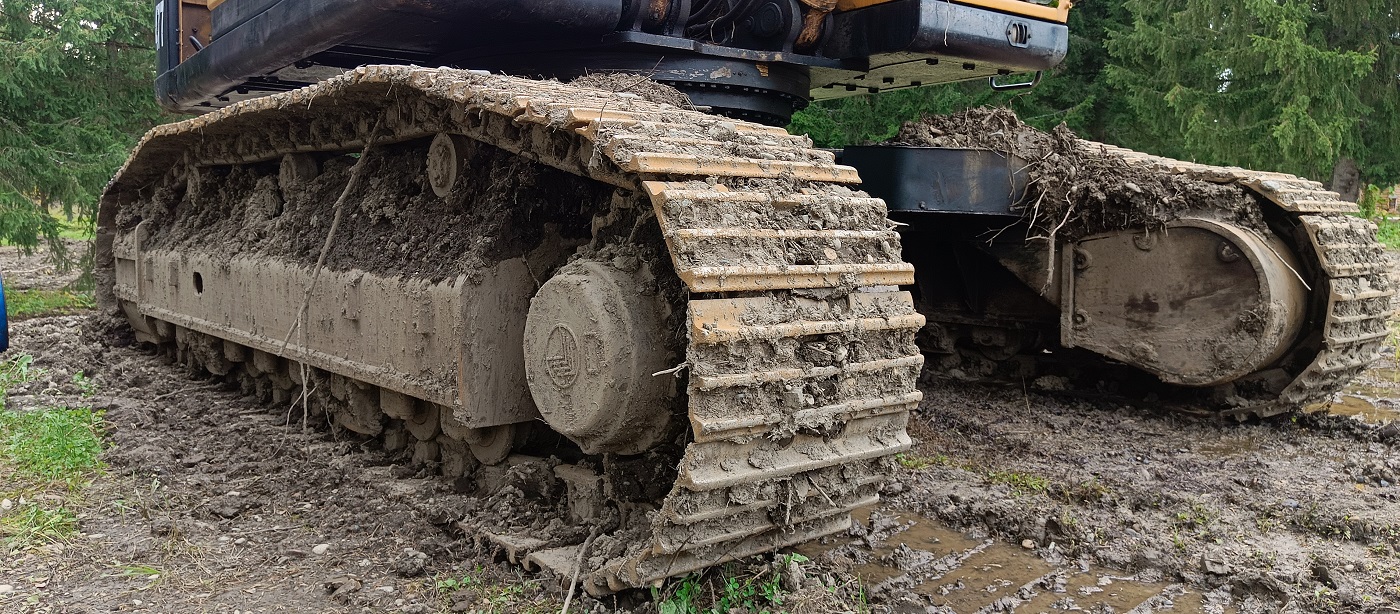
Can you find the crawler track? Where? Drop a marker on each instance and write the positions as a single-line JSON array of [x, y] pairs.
[[800, 354], [1340, 261], [1349, 278]]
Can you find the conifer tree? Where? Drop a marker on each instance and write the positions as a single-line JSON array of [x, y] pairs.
[[75, 94], [1293, 85]]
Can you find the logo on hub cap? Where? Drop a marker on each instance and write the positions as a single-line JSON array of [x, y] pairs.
[[561, 356]]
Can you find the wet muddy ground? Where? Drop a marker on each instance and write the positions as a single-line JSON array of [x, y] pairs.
[[1012, 501], [37, 270]]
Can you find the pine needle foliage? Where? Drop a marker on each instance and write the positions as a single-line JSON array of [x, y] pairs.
[[75, 95], [1289, 85]]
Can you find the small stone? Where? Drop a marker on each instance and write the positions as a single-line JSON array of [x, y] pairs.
[[411, 564], [6, 504], [1216, 565], [240, 541], [342, 586], [1349, 567], [1293, 503], [226, 507], [1028, 544], [320, 549], [6, 588]]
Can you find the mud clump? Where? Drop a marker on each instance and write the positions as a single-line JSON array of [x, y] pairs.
[[393, 223], [641, 85], [1075, 188]]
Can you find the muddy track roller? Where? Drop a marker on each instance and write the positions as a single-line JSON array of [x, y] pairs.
[[796, 345]]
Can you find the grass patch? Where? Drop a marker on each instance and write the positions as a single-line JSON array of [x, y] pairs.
[[25, 304], [47, 457], [1020, 482], [76, 230], [59, 444], [1388, 233]]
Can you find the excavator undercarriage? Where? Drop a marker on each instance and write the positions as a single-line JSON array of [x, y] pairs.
[[679, 337], [654, 237]]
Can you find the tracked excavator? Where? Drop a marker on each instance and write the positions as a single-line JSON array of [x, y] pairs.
[[681, 333]]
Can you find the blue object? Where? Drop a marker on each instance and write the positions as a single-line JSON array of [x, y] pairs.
[[4, 319]]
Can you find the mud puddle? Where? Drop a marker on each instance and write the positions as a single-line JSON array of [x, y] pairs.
[[960, 573], [1372, 410], [1373, 398]]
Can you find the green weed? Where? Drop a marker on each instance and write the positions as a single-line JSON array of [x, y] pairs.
[[17, 370], [453, 583], [25, 304], [1020, 482], [1266, 523], [1088, 491], [32, 523], [732, 592], [87, 386], [478, 591], [152, 575], [1197, 517], [750, 593], [736, 587], [138, 571]]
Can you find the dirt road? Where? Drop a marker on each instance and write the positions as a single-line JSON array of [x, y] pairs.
[[1013, 501]]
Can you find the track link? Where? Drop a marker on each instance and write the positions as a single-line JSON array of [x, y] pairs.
[[800, 354], [1348, 335]]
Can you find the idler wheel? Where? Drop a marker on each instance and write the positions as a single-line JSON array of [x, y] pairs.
[[592, 345], [1200, 303]]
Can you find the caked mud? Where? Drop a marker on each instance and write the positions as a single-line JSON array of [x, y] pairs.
[[1075, 190]]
